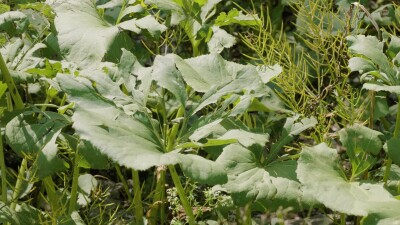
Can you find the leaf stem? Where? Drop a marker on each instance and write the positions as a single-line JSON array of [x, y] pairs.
[[372, 109], [137, 198], [174, 130], [342, 219], [18, 184], [397, 126], [182, 195]]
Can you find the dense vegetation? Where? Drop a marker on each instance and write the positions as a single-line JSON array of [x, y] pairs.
[[199, 112]]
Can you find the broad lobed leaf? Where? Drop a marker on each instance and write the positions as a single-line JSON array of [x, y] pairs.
[[321, 174]]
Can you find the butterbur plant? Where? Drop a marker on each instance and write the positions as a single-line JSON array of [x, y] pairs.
[[121, 122]]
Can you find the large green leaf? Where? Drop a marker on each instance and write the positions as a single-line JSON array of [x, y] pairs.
[[218, 77], [204, 72], [372, 48], [128, 140], [268, 186], [27, 135], [91, 157], [321, 174], [167, 76], [393, 149], [220, 40], [202, 170], [85, 38]]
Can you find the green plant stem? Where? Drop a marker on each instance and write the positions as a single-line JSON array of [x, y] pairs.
[[44, 106], [18, 184], [247, 211], [386, 174], [123, 7], [342, 219], [174, 131], [137, 198], [124, 183], [19, 104], [75, 181], [182, 195], [3, 172], [397, 126]]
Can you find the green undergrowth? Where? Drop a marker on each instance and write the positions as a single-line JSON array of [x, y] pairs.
[[199, 112]]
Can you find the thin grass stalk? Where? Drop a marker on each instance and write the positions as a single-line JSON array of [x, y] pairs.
[[124, 183], [74, 189]]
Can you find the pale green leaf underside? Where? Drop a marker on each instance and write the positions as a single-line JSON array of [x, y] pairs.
[[381, 87], [84, 37], [319, 171], [220, 40], [361, 65], [372, 48], [362, 138], [249, 182], [245, 138]]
